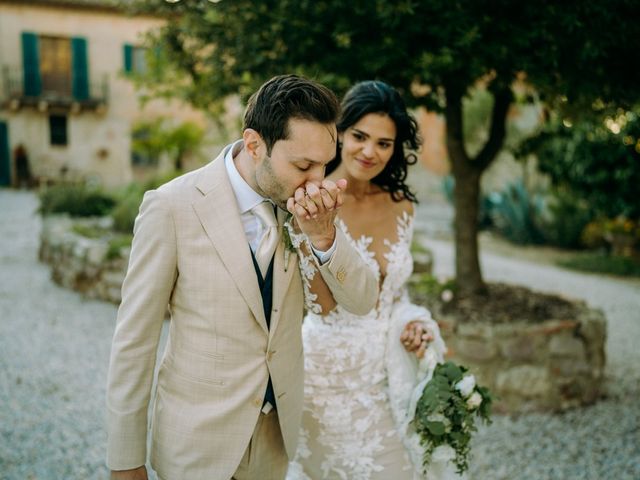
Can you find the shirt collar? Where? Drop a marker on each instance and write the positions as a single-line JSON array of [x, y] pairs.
[[246, 197]]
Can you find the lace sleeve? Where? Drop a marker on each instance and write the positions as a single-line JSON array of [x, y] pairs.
[[307, 264]]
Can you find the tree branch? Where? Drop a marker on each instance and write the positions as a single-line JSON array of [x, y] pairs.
[[502, 101]]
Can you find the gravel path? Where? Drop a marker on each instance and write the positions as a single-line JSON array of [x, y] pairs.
[[54, 349]]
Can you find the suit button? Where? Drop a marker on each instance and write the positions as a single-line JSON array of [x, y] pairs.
[[257, 402], [270, 355]]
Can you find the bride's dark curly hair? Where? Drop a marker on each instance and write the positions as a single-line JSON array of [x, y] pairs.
[[374, 96]]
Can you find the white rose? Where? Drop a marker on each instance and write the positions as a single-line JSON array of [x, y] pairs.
[[466, 385], [474, 401]]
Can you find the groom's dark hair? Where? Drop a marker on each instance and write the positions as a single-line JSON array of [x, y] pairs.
[[285, 97]]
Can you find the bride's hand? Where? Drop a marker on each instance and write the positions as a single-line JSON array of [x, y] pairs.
[[415, 338]]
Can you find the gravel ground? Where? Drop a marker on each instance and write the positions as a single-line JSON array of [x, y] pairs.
[[54, 349]]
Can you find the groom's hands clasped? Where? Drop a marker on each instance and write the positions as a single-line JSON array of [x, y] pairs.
[[315, 208]]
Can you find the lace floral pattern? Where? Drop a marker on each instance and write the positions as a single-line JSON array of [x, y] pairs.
[[349, 418], [307, 266]]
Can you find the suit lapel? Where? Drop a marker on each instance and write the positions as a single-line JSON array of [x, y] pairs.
[[282, 274], [218, 212]]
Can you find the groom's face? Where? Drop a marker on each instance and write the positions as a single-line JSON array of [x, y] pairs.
[[296, 161]]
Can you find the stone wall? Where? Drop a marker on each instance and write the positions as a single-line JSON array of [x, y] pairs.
[[551, 365], [87, 265]]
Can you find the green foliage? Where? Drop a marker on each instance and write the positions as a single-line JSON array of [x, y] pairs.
[[128, 203], [446, 416], [432, 292], [427, 49], [148, 141], [88, 231], [183, 139], [160, 179], [567, 218], [126, 210], [602, 263], [75, 200], [151, 139], [595, 160], [514, 213], [116, 244]]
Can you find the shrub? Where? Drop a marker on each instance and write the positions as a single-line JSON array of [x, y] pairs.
[[602, 263], [75, 200], [619, 236], [567, 219], [598, 161], [515, 214], [116, 244], [126, 210], [88, 231]]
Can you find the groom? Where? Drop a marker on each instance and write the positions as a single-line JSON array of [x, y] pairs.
[[229, 395]]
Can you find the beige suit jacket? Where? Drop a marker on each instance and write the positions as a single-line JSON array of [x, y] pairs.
[[190, 252]]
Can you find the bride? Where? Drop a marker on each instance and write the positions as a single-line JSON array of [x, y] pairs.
[[361, 385]]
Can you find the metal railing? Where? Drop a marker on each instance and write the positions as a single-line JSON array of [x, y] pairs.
[[51, 94]]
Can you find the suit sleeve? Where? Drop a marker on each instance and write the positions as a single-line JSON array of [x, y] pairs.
[[353, 284], [146, 292]]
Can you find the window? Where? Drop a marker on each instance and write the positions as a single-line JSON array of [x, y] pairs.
[[139, 63], [55, 65], [58, 129], [135, 59]]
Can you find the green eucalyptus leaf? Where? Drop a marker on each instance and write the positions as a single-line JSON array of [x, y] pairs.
[[436, 428]]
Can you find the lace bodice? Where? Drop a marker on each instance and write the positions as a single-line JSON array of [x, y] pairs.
[[393, 284]]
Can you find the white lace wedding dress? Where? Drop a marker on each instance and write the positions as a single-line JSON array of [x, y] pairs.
[[361, 386]]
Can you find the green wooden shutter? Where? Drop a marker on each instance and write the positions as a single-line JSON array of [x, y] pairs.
[[80, 69], [31, 65], [5, 157], [128, 58]]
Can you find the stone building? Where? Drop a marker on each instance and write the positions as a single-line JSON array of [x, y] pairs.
[[67, 102]]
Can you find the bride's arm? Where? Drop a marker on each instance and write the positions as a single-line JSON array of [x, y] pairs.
[[318, 289], [317, 295], [416, 333]]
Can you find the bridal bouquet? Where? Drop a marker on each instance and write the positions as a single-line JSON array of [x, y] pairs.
[[446, 414]]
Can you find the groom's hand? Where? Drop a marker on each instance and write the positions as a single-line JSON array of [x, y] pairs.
[[315, 208]]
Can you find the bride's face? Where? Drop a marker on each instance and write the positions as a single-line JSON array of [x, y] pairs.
[[367, 145]]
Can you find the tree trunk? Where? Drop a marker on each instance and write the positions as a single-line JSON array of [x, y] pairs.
[[467, 173], [178, 162]]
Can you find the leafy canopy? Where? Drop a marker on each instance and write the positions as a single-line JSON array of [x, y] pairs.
[[573, 50]]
